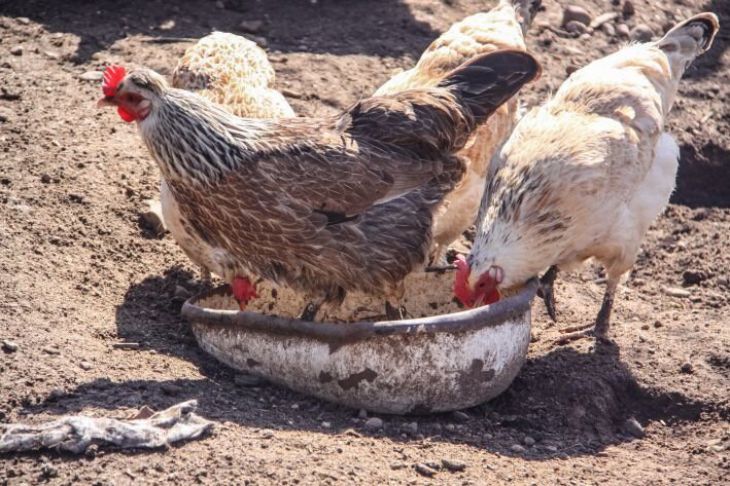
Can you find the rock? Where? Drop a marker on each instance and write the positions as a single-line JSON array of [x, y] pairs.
[[167, 25], [694, 277], [182, 293], [411, 428], [51, 55], [687, 368], [9, 346], [373, 424], [622, 30], [603, 19], [528, 441], [326, 425], [517, 448], [633, 427], [152, 217], [453, 465], [86, 366], [398, 465], [92, 76], [362, 413], [676, 292], [260, 41], [575, 13], [460, 416], [247, 380], [48, 470], [628, 9], [251, 26], [45, 178], [575, 27], [16, 50], [267, 434], [609, 29], [641, 33], [23, 20], [56, 393], [658, 324], [424, 470], [449, 427]]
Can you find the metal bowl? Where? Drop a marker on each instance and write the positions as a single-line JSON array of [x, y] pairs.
[[431, 364]]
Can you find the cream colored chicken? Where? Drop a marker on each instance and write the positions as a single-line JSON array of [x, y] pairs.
[[585, 174], [236, 73], [501, 28]]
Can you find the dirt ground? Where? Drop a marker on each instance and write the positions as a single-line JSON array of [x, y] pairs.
[[79, 271]]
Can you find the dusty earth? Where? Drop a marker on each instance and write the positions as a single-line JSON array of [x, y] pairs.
[[80, 272]]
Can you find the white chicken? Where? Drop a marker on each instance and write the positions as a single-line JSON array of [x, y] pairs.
[[585, 174], [503, 27]]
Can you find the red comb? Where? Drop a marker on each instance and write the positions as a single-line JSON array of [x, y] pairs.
[[461, 287], [113, 75]]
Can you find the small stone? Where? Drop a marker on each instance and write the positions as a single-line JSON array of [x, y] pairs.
[[658, 324], [528, 441], [424, 470], [16, 50], [48, 470], [92, 76], [575, 13], [609, 29], [326, 425], [56, 393], [398, 465], [152, 217], [633, 427], [182, 293], [373, 423], [623, 30], [517, 448], [551, 448], [362, 413], [45, 179], [694, 277], [171, 389], [641, 33], [267, 434], [575, 27], [450, 427], [247, 380], [411, 428], [676, 292], [167, 25], [628, 9], [603, 19], [51, 351], [86, 366], [260, 41], [453, 465], [687, 368], [23, 20], [460, 416], [51, 55], [219, 4], [251, 26], [9, 346]]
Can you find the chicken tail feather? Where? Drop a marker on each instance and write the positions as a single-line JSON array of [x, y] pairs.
[[687, 40], [484, 84]]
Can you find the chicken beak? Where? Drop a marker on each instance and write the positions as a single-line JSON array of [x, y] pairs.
[[106, 101]]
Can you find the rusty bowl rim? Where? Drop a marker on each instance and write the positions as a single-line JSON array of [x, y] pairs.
[[467, 320]]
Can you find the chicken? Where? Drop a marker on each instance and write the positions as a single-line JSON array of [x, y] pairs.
[[501, 28], [585, 174], [234, 72], [323, 205]]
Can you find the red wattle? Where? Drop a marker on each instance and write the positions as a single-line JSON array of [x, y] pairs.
[[126, 116]]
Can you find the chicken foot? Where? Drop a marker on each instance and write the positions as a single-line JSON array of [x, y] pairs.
[[546, 291], [393, 313], [599, 329], [310, 310]]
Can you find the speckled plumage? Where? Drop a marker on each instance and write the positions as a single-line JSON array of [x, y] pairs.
[[322, 205], [585, 174], [234, 72], [501, 28]]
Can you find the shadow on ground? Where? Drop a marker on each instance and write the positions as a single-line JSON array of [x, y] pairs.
[[337, 27], [570, 403]]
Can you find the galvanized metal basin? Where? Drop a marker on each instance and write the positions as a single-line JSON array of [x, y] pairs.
[[430, 364]]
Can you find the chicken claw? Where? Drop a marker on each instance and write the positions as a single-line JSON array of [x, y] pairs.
[[546, 291]]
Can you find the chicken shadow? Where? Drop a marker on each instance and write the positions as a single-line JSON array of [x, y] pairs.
[[377, 27], [563, 403], [703, 177]]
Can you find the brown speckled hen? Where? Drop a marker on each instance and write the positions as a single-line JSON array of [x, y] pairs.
[[324, 205]]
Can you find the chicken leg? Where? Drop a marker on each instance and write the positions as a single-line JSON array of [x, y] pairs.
[[546, 291], [393, 313], [599, 330], [311, 310]]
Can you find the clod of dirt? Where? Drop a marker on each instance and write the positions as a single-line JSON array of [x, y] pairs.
[[641, 33], [453, 465], [16, 51], [628, 9], [9, 346], [575, 13], [373, 424]]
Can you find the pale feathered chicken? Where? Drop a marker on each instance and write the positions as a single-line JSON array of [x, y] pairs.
[[324, 205], [585, 174], [501, 28], [236, 73]]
